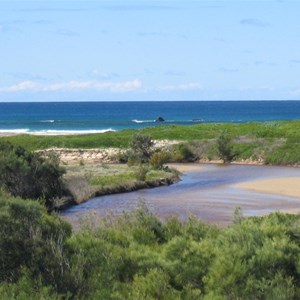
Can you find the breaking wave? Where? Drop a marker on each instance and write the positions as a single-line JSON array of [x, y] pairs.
[[52, 132], [142, 121]]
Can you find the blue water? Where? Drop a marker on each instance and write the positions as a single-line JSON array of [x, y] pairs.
[[210, 192], [84, 117]]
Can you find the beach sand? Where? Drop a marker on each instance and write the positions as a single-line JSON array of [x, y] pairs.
[[280, 186], [185, 167]]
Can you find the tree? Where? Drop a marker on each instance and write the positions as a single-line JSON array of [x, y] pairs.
[[141, 146], [224, 147]]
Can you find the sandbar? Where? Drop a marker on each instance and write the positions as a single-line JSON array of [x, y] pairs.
[[186, 167], [279, 186]]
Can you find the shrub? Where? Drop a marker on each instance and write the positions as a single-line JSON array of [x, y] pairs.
[[224, 147], [28, 175], [238, 215], [30, 238], [141, 172], [141, 147], [158, 159], [183, 153]]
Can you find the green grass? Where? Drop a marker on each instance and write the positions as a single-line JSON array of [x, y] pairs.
[[86, 181], [113, 180], [156, 174], [121, 139], [246, 150], [287, 154], [272, 142], [102, 140], [126, 177]]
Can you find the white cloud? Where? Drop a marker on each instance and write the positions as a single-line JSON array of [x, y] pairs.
[[22, 86], [182, 87], [32, 86]]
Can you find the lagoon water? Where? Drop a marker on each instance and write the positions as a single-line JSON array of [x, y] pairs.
[[210, 193], [90, 117]]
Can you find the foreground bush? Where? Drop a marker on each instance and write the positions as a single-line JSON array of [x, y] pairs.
[[28, 175], [31, 242], [137, 256]]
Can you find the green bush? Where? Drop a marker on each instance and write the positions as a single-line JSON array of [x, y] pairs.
[[32, 239], [28, 175], [141, 172], [224, 146], [141, 147], [287, 154], [183, 153], [138, 256], [158, 159]]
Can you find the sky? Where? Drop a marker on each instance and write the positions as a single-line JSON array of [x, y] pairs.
[[149, 50]]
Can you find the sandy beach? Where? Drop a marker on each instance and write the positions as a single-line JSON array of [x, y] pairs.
[[186, 167], [280, 186]]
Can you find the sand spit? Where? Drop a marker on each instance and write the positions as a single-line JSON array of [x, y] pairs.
[[186, 167], [280, 186]]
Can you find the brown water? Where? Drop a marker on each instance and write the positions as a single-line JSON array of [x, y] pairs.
[[209, 193]]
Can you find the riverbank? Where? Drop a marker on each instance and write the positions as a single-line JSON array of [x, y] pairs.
[[85, 181], [112, 155]]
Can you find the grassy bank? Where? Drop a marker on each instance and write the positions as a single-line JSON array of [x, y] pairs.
[[85, 181]]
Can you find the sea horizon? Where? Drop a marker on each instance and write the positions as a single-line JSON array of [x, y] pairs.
[[66, 117], [122, 101]]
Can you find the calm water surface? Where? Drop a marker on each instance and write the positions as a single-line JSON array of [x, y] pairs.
[[209, 193]]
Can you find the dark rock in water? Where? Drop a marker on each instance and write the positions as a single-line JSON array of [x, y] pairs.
[[159, 119]]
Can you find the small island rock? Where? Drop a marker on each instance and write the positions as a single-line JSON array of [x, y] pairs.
[[159, 119]]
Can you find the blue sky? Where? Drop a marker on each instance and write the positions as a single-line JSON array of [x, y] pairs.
[[149, 50]]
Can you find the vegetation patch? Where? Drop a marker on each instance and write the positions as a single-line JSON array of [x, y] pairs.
[[122, 139], [28, 175], [270, 142], [87, 181], [137, 256]]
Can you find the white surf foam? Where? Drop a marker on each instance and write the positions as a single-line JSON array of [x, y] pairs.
[[47, 121], [69, 132], [142, 121], [13, 131]]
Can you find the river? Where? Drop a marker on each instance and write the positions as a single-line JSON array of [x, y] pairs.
[[210, 192]]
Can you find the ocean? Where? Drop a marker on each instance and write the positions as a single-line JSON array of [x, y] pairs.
[[94, 117]]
